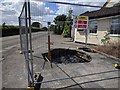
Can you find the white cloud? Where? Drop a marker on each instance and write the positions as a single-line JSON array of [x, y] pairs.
[[11, 9], [39, 9], [77, 10]]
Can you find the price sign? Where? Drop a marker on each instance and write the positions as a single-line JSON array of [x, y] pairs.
[[82, 22]]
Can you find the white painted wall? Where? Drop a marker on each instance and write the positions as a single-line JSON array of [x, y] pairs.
[[103, 26]]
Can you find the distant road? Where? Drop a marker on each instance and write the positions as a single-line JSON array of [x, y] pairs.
[[10, 46], [11, 41]]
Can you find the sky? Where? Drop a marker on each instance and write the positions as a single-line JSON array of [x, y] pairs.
[[42, 11]]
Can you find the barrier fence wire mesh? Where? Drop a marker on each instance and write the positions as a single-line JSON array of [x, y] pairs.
[[35, 41], [25, 40], [39, 40], [32, 18]]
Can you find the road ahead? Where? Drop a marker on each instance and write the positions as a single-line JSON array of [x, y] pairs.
[[11, 41]]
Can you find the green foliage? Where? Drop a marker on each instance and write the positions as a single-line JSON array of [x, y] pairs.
[[4, 24], [36, 24], [106, 39], [66, 32], [44, 29], [59, 18], [9, 30], [59, 21], [67, 28], [35, 29], [52, 27], [57, 29]]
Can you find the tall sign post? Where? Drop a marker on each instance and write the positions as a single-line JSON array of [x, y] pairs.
[[49, 53], [82, 25]]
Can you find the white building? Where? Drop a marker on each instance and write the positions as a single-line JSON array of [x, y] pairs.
[[100, 22]]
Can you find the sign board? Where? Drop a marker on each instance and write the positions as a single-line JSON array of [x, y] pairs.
[[81, 28], [82, 22]]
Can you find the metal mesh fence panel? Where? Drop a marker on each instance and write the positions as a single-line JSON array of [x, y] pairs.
[[38, 41], [39, 38], [25, 40]]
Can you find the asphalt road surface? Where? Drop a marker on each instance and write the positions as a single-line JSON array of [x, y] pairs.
[[13, 63], [99, 73]]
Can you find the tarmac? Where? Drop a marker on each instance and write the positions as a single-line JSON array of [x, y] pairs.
[[97, 74]]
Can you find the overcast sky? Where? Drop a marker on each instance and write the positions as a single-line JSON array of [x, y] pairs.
[[42, 11]]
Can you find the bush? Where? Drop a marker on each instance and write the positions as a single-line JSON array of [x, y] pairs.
[[9, 30], [35, 29], [44, 28], [106, 39], [66, 32]]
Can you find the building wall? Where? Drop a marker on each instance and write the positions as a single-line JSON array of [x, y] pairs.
[[115, 39], [103, 24], [92, 38], [103, 27]]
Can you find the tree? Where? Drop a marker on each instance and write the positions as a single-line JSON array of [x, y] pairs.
[[45, 28], [4, 24], [68, 25], [36, 24], [52, 27], [59, 21]]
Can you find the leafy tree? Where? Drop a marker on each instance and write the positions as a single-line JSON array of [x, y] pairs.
[[68, 25], [59, 21], [36, 24], [4, 24], [45, 28], [52, 27]]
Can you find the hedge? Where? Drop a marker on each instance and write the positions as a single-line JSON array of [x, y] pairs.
[[14, 30]]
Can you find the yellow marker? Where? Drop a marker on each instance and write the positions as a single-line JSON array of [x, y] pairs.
[[116, 65], [30, 88]]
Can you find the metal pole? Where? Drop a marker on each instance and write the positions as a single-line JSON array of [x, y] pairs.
[[73, 33], [20, 32], [26, 43], [30, 36], [49, 53], [86, 33], [86, 37]]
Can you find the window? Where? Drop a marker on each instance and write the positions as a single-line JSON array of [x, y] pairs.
[[93, 26], [115, 26]]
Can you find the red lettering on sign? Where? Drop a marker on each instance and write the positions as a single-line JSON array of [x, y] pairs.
[[82, 22], [82, 26]]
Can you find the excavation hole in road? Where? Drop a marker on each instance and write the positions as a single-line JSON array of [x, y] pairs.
[[67, 56]]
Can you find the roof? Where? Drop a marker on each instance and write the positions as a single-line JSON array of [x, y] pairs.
[[111, 3], [106, 3], [103, 12]]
